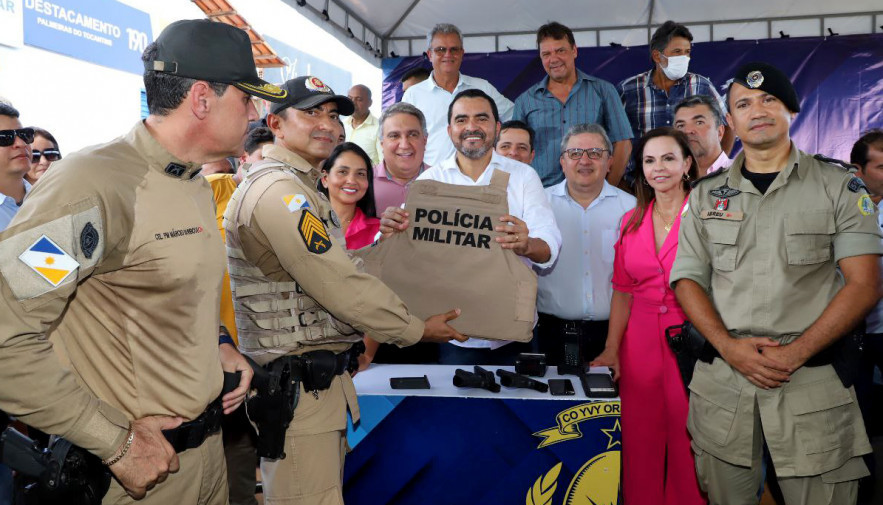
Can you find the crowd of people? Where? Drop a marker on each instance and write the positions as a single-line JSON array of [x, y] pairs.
[[622, 198]]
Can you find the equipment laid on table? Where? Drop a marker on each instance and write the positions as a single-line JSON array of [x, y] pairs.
[[533, 364], [481, 378], [561, 387], [516, 380], [409, 382]]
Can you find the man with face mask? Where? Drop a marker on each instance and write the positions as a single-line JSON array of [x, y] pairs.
[[650, 97]]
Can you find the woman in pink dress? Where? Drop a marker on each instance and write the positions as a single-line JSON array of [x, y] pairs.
[[348, 182], [657, 462]]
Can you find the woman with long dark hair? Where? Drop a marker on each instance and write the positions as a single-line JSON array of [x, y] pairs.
[[656, 457], [348, 182]]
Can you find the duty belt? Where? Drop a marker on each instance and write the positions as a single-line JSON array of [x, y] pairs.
[[192, 434], [317, 369]]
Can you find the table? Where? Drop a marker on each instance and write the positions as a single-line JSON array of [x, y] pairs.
[[448, 445]]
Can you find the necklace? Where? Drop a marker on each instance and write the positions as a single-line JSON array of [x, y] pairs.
[[664, 225]]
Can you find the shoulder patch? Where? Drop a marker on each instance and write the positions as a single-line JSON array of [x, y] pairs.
[[866, 205], [833, 161], [53, 256], [855, 185], [313, 232], [295, 202], [49, 261]]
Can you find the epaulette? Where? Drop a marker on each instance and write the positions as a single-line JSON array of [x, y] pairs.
[[833, 161], [709, 176]]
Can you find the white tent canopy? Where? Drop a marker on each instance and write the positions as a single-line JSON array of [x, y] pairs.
[[378, 28]]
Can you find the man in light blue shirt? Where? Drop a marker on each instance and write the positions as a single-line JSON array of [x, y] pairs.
[[15, 161], [573, 297]]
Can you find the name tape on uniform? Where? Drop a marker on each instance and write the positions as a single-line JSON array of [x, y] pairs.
[[467, 237], [722, 214], [49, 261]]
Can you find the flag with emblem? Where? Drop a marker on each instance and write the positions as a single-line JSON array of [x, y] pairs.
[[313, 232], [49, 261], [295, 202]]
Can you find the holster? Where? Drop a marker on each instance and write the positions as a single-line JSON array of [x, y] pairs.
[[689, 346], [277, 384], [61, 474]]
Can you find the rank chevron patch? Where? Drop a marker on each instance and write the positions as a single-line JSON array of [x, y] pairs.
[[313, 232]]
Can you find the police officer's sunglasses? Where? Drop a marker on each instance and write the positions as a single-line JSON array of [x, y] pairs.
[[576, 153], [7, 137], [49, 154]]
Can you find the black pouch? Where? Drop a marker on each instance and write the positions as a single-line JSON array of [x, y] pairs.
[[319, 370]]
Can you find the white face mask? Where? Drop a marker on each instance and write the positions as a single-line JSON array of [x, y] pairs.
[[677, 67]]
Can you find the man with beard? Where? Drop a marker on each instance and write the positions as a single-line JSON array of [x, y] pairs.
[[529, 230], [701, 119]]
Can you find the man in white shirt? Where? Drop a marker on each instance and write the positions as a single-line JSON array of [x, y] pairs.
[[573, 297], [434, 95], [701, 119], [529, 231], [361, 127]]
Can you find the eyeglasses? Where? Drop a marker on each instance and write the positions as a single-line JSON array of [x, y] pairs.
[[594, 153], [50, 154], [7, 137], [442, 50]]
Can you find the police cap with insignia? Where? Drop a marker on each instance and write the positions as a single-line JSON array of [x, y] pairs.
[[765, 77], [306, 92], [209, 51]]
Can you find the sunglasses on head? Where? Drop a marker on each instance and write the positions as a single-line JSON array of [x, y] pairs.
[[7, 137], [50, 154]]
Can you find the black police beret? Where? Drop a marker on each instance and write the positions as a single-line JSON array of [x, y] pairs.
[[765, 77]]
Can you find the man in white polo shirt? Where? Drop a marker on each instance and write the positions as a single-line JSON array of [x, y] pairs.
[[434, 95], [529, 230]]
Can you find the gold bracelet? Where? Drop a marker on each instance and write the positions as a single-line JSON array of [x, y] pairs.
[[125, 449]]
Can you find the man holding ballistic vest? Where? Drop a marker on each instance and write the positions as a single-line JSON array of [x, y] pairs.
[[778, 263], [529, 230], [116, 258], [301, 304]]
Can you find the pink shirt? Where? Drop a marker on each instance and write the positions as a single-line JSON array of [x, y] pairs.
[[642, 272], [722, 161], [387, 191], [361, 231]]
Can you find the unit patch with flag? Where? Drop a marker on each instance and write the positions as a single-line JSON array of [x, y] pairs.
[[49, 261], [295, 202], [313, 232]]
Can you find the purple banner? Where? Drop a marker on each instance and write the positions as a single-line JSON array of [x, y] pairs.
[[839, 79]]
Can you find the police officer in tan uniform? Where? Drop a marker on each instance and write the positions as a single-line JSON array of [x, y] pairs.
[[116, 258], [298, 297], [777, 264]]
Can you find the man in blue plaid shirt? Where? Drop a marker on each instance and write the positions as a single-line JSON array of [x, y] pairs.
[[650, 97]]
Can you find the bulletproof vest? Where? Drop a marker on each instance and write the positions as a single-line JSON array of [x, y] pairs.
[[448, 258], [274, 318]]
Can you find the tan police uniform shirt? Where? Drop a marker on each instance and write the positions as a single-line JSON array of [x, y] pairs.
[[769, 264], [275, 244], [117, 258]]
